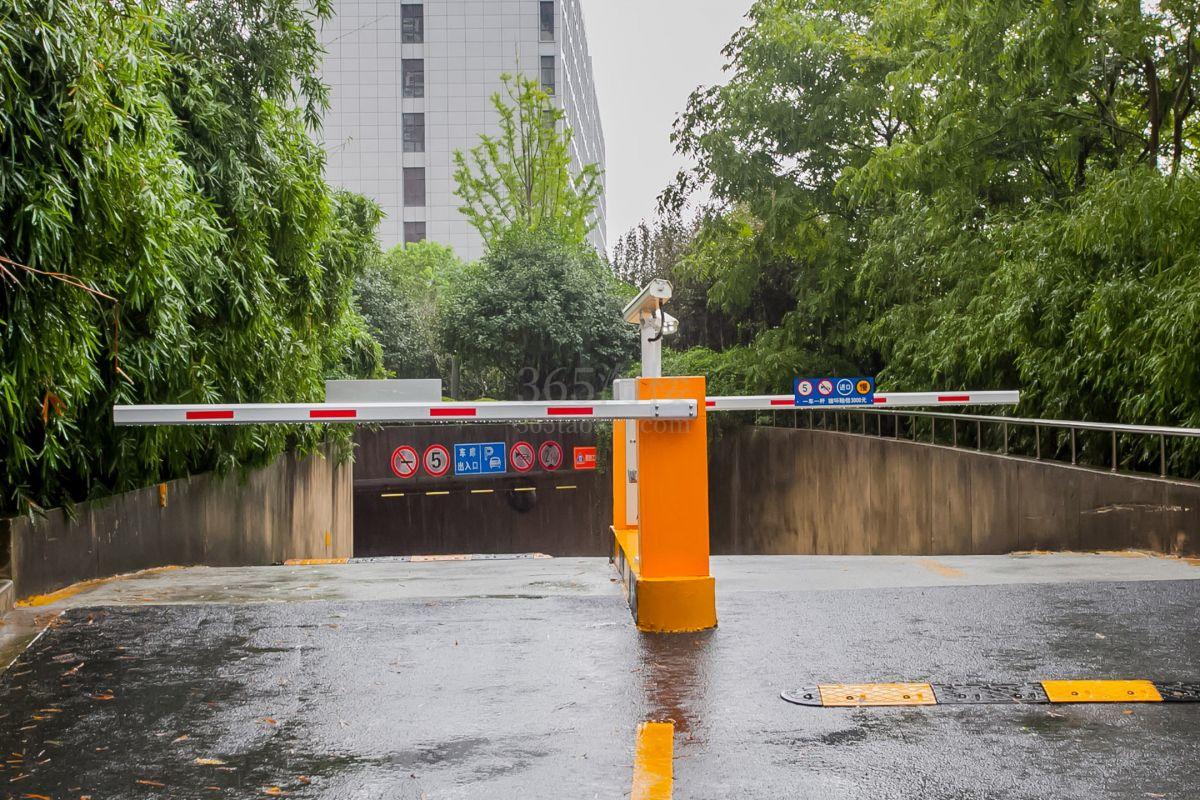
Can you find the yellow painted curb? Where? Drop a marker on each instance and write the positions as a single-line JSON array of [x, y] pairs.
[[653, 770], [314, 562], [676, 605], [39, 600]]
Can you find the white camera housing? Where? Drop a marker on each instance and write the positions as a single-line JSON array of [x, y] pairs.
[[658, 291]]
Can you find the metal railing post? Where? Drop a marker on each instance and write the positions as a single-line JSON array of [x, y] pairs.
[[1114, 451], [1162, 456], [933, 430], [1006, 438], [954, 429], [978, 435], [1073, 459], [1037, 433]]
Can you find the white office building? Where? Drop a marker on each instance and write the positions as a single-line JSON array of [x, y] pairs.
[[411, 83]]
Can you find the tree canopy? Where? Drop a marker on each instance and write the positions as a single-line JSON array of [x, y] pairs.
[[538, 318], [523, 177], [972, 194], [401, 295], [167, 236]]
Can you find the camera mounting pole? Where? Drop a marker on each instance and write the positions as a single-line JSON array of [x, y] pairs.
[[653, 323]]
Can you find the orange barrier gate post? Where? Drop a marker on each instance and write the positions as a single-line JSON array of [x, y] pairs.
[[663, 555]]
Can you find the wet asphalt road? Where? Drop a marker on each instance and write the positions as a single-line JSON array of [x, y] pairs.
[[539, 696]]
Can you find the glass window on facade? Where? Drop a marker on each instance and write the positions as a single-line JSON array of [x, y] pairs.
[[414, 186], [414, 133], [414, 232], [413, 76], [548, 73], [412, 23], [547, 20]]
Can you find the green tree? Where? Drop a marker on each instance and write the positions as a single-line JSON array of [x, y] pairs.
[[962, 193], [159, 155], [400, 296], [537, 318], [523, 177]]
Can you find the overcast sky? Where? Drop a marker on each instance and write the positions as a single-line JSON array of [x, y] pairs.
[[649, 55]]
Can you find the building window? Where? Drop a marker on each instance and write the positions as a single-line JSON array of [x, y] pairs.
[[414, 232], [414, 186], [548, 73], [547, 20], [413, 75], [412, 23], [414, 133]]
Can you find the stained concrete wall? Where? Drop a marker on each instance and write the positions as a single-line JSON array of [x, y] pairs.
[[294, 508], [780, 490]]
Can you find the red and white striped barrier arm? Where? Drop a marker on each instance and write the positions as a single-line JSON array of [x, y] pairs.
[[777, 402], [267, 413]]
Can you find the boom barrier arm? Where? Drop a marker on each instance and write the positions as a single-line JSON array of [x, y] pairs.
[[778, 402], [288, 413]]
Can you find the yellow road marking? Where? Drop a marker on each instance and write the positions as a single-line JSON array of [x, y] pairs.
[[482, 491], [877, 694], [1101, 692], [653, 775], [564, 488], [944, 570]]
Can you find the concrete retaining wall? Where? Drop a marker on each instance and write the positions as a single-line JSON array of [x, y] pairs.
[[294, 508], [780, 490]]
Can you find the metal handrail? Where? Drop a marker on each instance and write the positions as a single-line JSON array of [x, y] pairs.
[[1161, 432], [1149, 430]]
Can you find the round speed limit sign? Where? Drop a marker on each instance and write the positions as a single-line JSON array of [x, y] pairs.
[[550, 454], [436, 460]]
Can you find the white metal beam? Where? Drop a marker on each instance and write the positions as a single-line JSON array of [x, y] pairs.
[[778, 402], [290, 413]]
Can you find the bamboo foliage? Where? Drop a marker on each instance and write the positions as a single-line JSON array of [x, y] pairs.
[[158, 154]]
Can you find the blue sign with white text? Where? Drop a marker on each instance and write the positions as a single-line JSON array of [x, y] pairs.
[[835, 391], [490, 458]]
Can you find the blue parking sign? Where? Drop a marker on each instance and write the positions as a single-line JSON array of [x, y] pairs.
[[475, 458], [835, 391]]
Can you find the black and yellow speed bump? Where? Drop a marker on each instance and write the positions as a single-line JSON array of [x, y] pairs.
[[848, 695]]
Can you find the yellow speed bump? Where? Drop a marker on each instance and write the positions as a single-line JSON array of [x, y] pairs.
[[653, 775], [1101, 692], [877, 694]]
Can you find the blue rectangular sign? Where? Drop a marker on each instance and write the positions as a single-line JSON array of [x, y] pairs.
[[835, 391], [474, 458]]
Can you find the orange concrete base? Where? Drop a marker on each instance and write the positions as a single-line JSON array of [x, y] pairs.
[[663, 605], [676, 605]]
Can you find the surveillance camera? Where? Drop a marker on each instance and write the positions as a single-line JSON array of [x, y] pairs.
[[657, 292]]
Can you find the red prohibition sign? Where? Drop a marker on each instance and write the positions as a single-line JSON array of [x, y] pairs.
[[551, 455], [404, 461], [522, 457], [436, 460]]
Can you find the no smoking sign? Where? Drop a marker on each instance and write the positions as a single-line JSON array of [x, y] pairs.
[[405, 461]]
